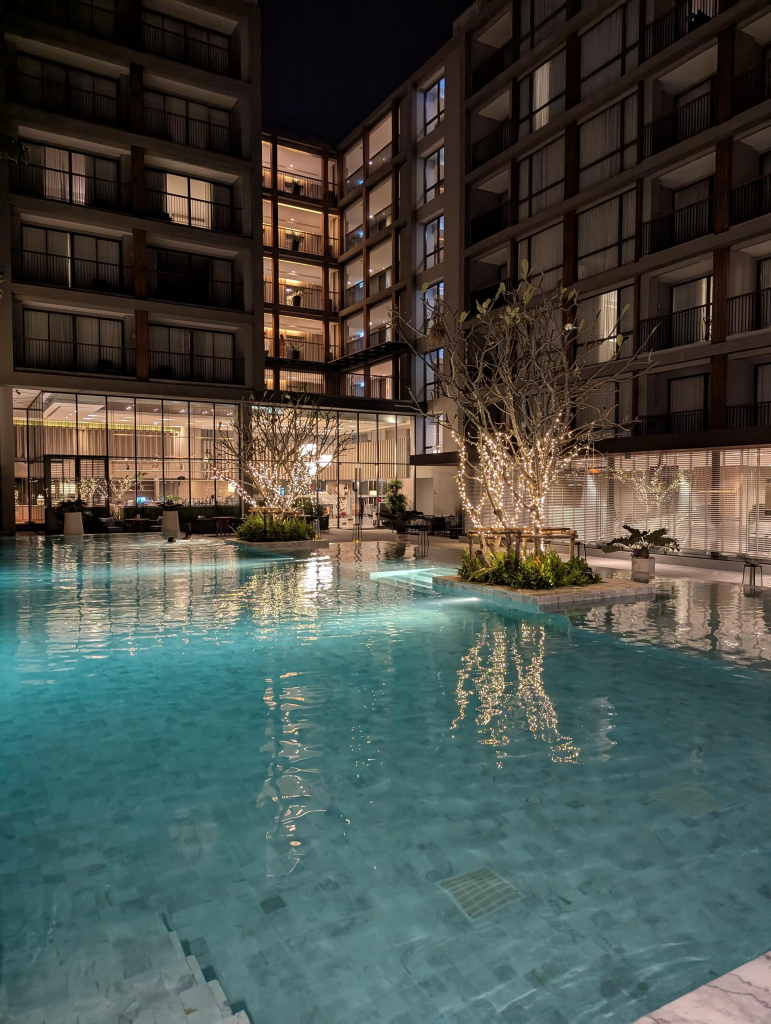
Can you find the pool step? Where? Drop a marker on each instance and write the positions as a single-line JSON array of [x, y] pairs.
[[411, 579]]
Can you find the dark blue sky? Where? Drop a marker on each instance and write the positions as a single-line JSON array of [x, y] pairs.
[[327, 63]]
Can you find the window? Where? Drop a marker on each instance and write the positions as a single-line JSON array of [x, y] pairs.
[[433, 242], [606, 316], [688, 394], [433, 175], [354, 224], [184, 41], [433, 433], [433, 105], [763, 383], [608, 142], [192, 201], [63, 341], [433, 362], [380, 267], [609, 48], [42, 83], [353, 282], [71, 260], [541, 179], [380, 208], [190, 277], [184, 341], [432, 299], [606, 235], [542, 95], [538, 19], [543, 252], [189, 122], [70, 177]]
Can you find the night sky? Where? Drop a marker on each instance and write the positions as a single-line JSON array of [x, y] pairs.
[[326, 64]]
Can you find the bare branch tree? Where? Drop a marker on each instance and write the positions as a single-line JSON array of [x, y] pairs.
[[650, 485], [273, 453]]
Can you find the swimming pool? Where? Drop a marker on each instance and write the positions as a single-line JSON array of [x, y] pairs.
[[285, 759]]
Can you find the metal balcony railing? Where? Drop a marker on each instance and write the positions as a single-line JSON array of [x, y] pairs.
[[690, 119], [300, 185], [303, 349], [380, 158], [353, 181], [380, 220], [751, 200], [189, 131], [308, 296], [300, 241], [686, 327], [72, 357], [491, 222], [379, 282], [195, 213], [64, 187], [196, 291], [676, 23], [682, 225], [381, 336], [62, 98], [756, 415], [750, 312], [752, 88], [494, 143], [354, 294], [354, 238], [196, 52], [493, 66], [69, 272], [359, 385], [83, 17], [671, 423], [354, 345], [201, 368]]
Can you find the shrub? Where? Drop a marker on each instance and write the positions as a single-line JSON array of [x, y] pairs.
[[255, 527], [534, 572]]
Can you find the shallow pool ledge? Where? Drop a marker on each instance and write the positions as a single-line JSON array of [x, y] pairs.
[[278, 547], [742, 996], [607, 592]]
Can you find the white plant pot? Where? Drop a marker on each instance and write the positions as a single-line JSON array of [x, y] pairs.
[[643, 569], [73, 524], [170, 524]]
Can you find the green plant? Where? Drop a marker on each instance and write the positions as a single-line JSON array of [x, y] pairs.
[[258, 528], [70, 505], [393, 507], [538, 571], [639, 542], [309, 507]]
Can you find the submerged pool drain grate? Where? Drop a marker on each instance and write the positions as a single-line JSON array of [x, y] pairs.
[[479, 893]]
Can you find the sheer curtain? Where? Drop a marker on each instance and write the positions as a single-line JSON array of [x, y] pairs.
[[544, 253], [57, 178], [686, 394]]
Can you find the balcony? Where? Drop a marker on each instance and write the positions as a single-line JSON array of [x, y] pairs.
[[186, 50], [306, 296], [360, 385], [295, 240], [682, 225], [751, 312], [195, 291], [756, 415], [353, 181], [686, 327], [354, 237], [671, 423], [83, 17], [68, 272], [676, 23], [302, 348], [380, 159], [751, 200], [72, 357], [302, 185], [491, 145], [690, 119], [64, 187], [62, 98], [353, 294], [195, 213], [201, 369], [379, 282], [752, 88], [188, 131], [492, 67], [380, 220], [492, 222]]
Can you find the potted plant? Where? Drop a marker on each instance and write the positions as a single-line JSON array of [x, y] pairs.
[[294, 238], [639, 543], [170, 507], [72, 510], [393, 508]]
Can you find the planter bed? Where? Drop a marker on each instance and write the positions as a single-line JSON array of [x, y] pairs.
[[279, 547], [606, 592]]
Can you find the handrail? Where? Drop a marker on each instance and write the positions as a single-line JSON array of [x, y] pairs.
[[190, 131], [62, 98], [72, 356], [71, 272]]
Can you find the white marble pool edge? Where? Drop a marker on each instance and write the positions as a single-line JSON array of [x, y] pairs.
[[607, 592]]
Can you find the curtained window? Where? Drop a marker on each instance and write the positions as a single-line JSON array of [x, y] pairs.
[[608, 142], [688, 394], [606, 235], [609, 48], [537, 20], [606, 316], [542, 95], [543, 252], [541, 179]]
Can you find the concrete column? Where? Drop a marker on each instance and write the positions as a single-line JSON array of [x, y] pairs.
[[136, 98], [718, 375], [143, 344], [7, 503], [138, 198], [721, 202], [724, 80], [569, 248], [140, 263]]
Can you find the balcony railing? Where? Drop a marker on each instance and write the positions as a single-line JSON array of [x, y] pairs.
[[62, 98], [676, 23], [380, 158], [490, 223], [72, 357], [690, 119], [301, 185], [752, 88], [359, 385], [354, 294], [380, 220], [354, 345], [353, 181], [203, 369], [756, 415], [751, 200], [301, 348], [493, 144], [195, 213], [63, 187], [675, 228], [379, 282], [300, 241], [216, 138], [354, 238], [83, 17], [196, 291], [493, 66], [686, 327], [309, 296], [69, 272], [381, 336], [751, 312], [671, 423], [195, 52]]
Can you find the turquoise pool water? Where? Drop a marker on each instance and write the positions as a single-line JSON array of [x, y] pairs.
[[285, 758]]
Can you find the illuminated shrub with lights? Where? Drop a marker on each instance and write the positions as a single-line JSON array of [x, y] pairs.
[[538, 571], [259, 528]]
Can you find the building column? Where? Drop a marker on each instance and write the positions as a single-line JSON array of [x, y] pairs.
[[718, 375], [136, 98], [143, 344], [138, 197], [572, 71], [724, 80], [721, 201], [140, 263], [7, 475], [569, 248], [571, 170]]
